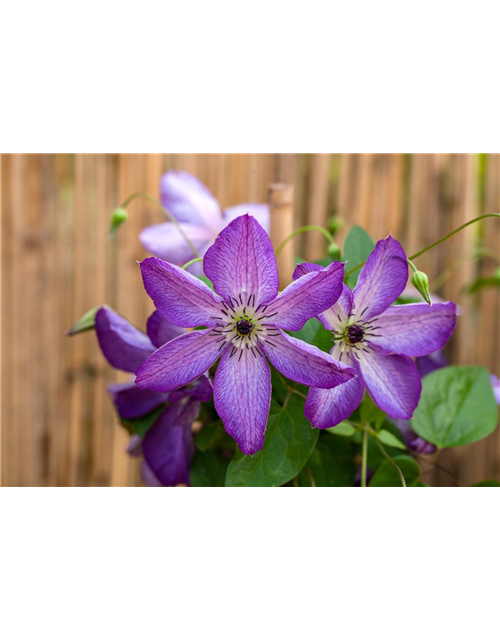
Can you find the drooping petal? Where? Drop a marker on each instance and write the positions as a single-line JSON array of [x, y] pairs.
[[189, 200], [160, 330], [327, 407], [242, 397], [168, 446], [258, 211], [200, 389], [148, 477], [134, 446], [430, 363], [415, 329], [392, 381], [180, 297], [303, 268], [123, 346], [241, 261], [305, 363], [180, 361], [381, 280], [165, 241], [306, 297], [132, 402]]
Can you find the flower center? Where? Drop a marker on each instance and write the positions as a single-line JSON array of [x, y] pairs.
[[244, 327], [355, 334]]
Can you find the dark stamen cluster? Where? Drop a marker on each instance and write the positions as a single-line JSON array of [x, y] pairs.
[[244, 327], [355, 334]]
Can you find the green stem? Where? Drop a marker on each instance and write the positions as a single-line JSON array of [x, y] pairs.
[[412, 265], [188, 264], [434, 244], [403, 484], [310, 227], [167, 214], [363, 534]]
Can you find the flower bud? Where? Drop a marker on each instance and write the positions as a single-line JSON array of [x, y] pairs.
[[86, 322], [119, 217], [335, 224], [334, 251], [421, 282]]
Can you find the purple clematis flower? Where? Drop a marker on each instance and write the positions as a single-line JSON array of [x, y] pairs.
[[200, 216], [168, 446], [378, 340], [246, 319]]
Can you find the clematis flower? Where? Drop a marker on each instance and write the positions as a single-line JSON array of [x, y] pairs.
[[200, 216], [168, 446], [245, 319], [378, 340]]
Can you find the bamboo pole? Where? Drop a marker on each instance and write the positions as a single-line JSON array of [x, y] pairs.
[[280, 198]]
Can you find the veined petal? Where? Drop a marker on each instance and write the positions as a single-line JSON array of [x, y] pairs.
[[258, 211], [168, 446], [242, 397], [392, 381], [241, 261], [166, 241], [132, 402], [180, 361], [308, 296], [415, 329], [180, 297], [305, 363], [160, 330], [327, 407], [200, 389], [189, 200], [123, 346], [430, 363], [381, 280]]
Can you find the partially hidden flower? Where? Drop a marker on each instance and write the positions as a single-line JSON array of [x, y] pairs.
[[378, 340], [168, 446], [198, 214], [246, 321]]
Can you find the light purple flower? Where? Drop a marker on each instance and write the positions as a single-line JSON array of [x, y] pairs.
[[495, 383], [199, 215], [378, 340], [168, 446], [245, 319]]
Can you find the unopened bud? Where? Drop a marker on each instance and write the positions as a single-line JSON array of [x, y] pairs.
[[334, 251], [86, 322], [421, 282], [334, 225], [119, 217]]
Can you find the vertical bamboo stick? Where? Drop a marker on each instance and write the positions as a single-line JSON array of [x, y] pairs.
[[280, 198], [318, 204]]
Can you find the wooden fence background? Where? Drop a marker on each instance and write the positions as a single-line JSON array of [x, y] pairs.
[[58, 426]]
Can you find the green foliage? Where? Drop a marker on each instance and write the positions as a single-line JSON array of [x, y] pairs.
[[487, 483], [141, 425], [386, 474], [389, 439], [314, 333], [289, 442], [357, 247], [370, 413], [331, 463], [208, 469], [375, 456], [457, 406], [208, 282], [342, 429]]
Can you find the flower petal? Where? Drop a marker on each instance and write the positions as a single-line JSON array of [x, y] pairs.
[[327, 407], [168, 446], [381, 280], [258, 211], [123, 346], [430, 363], [132, 402], [415, 329], [392, 381], [242, 397], [189, 200], [308, 296], [305, 363], [180, 297], [166, 242], [148, 477], [180, 361], [160, 330], [200, 389], [242, 261]]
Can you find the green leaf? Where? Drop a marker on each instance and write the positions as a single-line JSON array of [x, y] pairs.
[[357, 247], [86, 322], [487, 483], [375, 456], [208, 436], [141, 425], [389, 439], [208, 469], [314, 333], [342, 429], [370, 413], [457, 406], [206, 281], [331, 463], [289, 442], [482, 283], [387, 476]]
